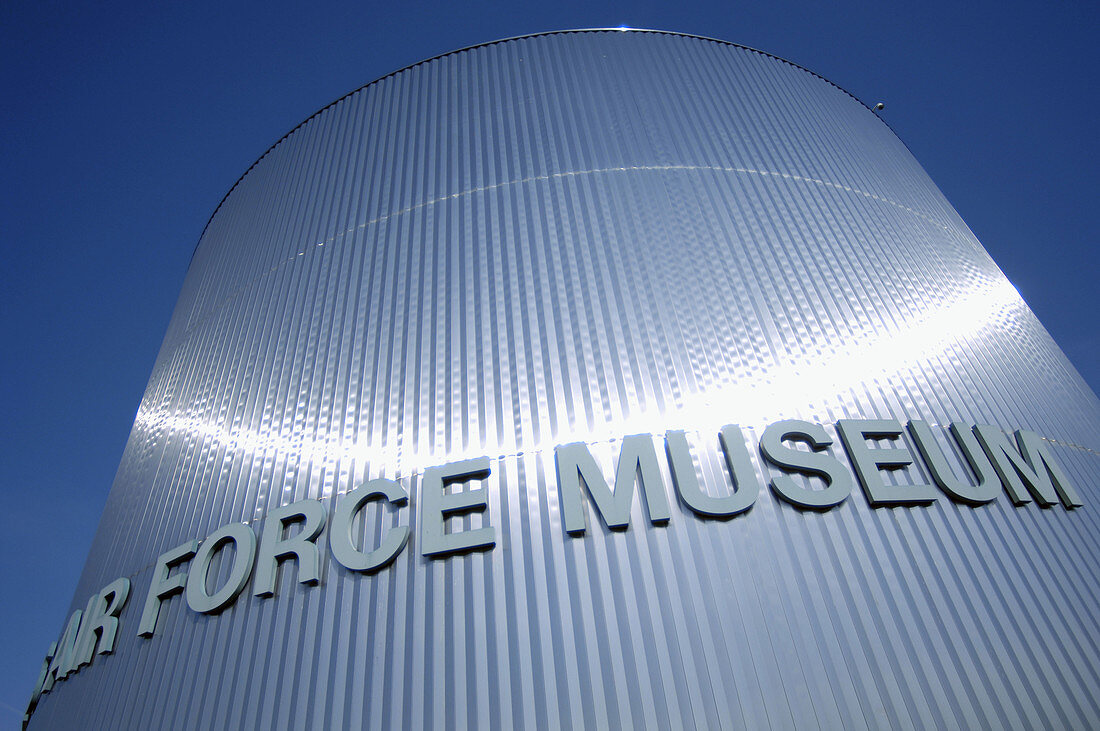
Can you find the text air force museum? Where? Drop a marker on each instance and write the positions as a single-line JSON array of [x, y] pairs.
[[594, 379]]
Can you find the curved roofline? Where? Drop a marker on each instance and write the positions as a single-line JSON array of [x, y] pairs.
[[508, 40]]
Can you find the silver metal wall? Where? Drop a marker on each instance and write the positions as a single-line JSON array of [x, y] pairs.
[[576, 237]]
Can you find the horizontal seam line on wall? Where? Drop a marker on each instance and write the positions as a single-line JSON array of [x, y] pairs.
[[211, 311]]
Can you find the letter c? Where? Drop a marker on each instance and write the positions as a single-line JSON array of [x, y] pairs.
[[341, 540]]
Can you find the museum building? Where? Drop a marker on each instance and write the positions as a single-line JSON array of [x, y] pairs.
[[594, 379]]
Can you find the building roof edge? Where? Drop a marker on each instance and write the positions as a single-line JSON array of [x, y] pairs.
[[498, 42]]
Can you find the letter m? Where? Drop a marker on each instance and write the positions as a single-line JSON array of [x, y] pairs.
[[1030, 467], [637, 461]]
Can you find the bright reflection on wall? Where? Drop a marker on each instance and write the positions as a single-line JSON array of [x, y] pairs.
[[787, 388]]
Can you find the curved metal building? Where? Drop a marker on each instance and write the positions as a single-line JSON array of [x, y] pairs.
[[563, 292]]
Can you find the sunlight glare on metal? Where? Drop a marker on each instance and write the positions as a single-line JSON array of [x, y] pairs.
[[787, 387]]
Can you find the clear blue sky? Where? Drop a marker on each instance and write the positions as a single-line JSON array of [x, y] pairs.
[[123, 125]]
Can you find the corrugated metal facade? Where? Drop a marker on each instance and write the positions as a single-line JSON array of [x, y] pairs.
[[577, 237]]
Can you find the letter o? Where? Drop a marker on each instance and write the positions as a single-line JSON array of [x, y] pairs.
[[244, 540]]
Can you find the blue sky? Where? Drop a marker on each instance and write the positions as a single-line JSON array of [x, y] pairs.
[[123, 125]]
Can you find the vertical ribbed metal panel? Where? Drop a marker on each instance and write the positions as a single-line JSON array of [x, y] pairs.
[[576, 237]]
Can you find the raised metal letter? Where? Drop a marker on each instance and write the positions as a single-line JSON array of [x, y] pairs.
[[741, 472], [100, 625], [162, 586], [244, 555], [343, 544], [637, 461], [62, 663], [837, 479], [39, 686], [986, 488], [275, 547], [1031, 466], [855, 433], [437, 504]]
